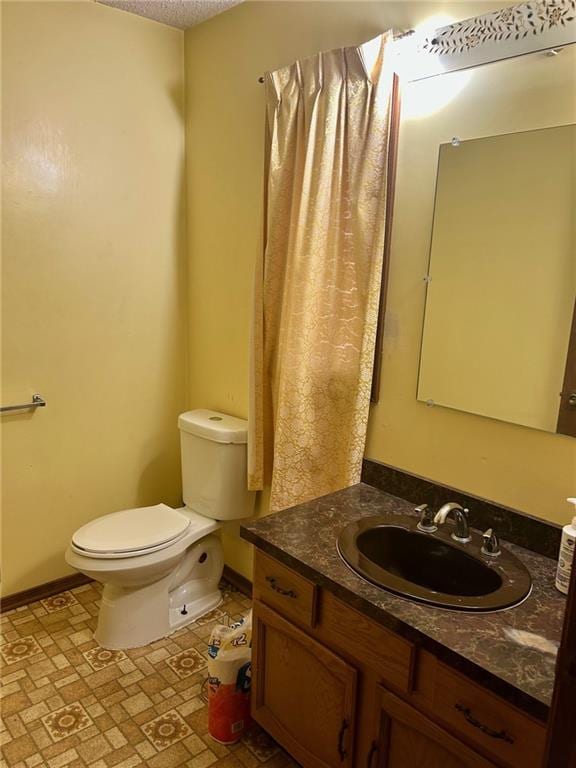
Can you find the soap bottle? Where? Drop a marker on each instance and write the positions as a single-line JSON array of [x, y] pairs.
[[567, 546]]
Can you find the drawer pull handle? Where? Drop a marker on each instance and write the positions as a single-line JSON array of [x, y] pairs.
[[341, 749], [469, 717], [281, 591], [371, 753]]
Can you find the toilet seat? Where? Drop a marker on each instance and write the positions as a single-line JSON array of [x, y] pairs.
[[136, 532]]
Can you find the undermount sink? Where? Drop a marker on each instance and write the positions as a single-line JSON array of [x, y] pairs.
[[432, 568]]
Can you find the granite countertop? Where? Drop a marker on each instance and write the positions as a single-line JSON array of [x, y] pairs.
[[513, 652]]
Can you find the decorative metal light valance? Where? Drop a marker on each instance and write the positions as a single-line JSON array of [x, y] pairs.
[[533, 26]]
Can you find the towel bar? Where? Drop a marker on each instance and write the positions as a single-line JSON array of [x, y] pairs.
[[37, 402]]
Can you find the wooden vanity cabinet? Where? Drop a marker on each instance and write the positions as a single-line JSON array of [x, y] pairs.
[[335, 688], [303, 694], [408, 739]]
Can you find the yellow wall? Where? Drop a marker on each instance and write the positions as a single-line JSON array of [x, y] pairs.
[[520, 467], [94, 272], [95, 268]]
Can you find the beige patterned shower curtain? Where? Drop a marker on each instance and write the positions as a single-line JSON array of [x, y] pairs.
[[318, 284]]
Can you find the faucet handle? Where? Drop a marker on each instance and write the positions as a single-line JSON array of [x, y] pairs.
[[426, 522], [491, 545]]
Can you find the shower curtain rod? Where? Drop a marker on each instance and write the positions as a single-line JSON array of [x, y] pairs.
[[397, 36]]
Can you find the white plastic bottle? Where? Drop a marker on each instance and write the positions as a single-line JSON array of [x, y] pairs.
[[567, 546]]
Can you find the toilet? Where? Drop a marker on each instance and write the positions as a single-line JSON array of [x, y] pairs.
[[160, 566]]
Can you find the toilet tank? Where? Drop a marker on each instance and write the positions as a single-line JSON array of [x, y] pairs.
[[213, 450]]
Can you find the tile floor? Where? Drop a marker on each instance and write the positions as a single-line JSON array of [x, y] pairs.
[[67, 703]]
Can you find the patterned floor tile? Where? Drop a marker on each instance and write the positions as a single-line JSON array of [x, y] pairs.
[[166, 730], [98, 658], [208, 618], [67, 721], [59, 602], [20, 649], [67, 703], [260, 744], [187, 663]]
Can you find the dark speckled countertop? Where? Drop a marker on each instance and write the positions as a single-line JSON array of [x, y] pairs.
[[513, 652]]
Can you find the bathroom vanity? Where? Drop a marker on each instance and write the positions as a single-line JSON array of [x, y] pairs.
[[345, 673]]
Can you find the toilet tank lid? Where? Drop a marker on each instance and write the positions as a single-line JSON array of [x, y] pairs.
[[219, 427]]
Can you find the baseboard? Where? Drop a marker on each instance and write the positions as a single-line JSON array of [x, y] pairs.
[[241, 583], [18, 599]]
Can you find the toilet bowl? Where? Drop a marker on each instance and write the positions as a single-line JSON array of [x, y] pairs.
[[160, 566]]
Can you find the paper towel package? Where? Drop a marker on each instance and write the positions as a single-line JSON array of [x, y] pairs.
[[229, 660]]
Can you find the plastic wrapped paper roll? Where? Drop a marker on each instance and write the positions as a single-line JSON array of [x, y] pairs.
[[229, 660]]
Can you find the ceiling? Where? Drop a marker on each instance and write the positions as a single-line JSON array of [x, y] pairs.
[[175, 13]]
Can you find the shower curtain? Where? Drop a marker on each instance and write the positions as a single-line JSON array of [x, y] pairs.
[[317, 285]]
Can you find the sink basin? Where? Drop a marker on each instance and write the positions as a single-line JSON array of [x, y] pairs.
[[392, 553]]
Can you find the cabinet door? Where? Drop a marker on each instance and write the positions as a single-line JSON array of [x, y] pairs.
[[302, 693], [409, 740]]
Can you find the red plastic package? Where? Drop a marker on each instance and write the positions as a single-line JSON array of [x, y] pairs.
[[229, 676], [228, 711]]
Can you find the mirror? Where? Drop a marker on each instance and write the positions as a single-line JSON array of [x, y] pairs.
[[501, 285]]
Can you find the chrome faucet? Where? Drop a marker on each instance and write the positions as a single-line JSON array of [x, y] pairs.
[[460, 515]]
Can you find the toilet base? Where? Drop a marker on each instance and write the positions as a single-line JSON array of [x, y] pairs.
[[143, 623], [194, 611], [131, 617]]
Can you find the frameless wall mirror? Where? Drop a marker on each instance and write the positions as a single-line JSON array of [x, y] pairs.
[[498, 337]]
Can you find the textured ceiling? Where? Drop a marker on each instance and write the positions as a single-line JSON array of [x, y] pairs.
[[176, 13]]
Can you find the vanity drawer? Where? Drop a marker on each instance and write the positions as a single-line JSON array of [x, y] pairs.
[[389, 657], [513, 738], [281, 588]]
